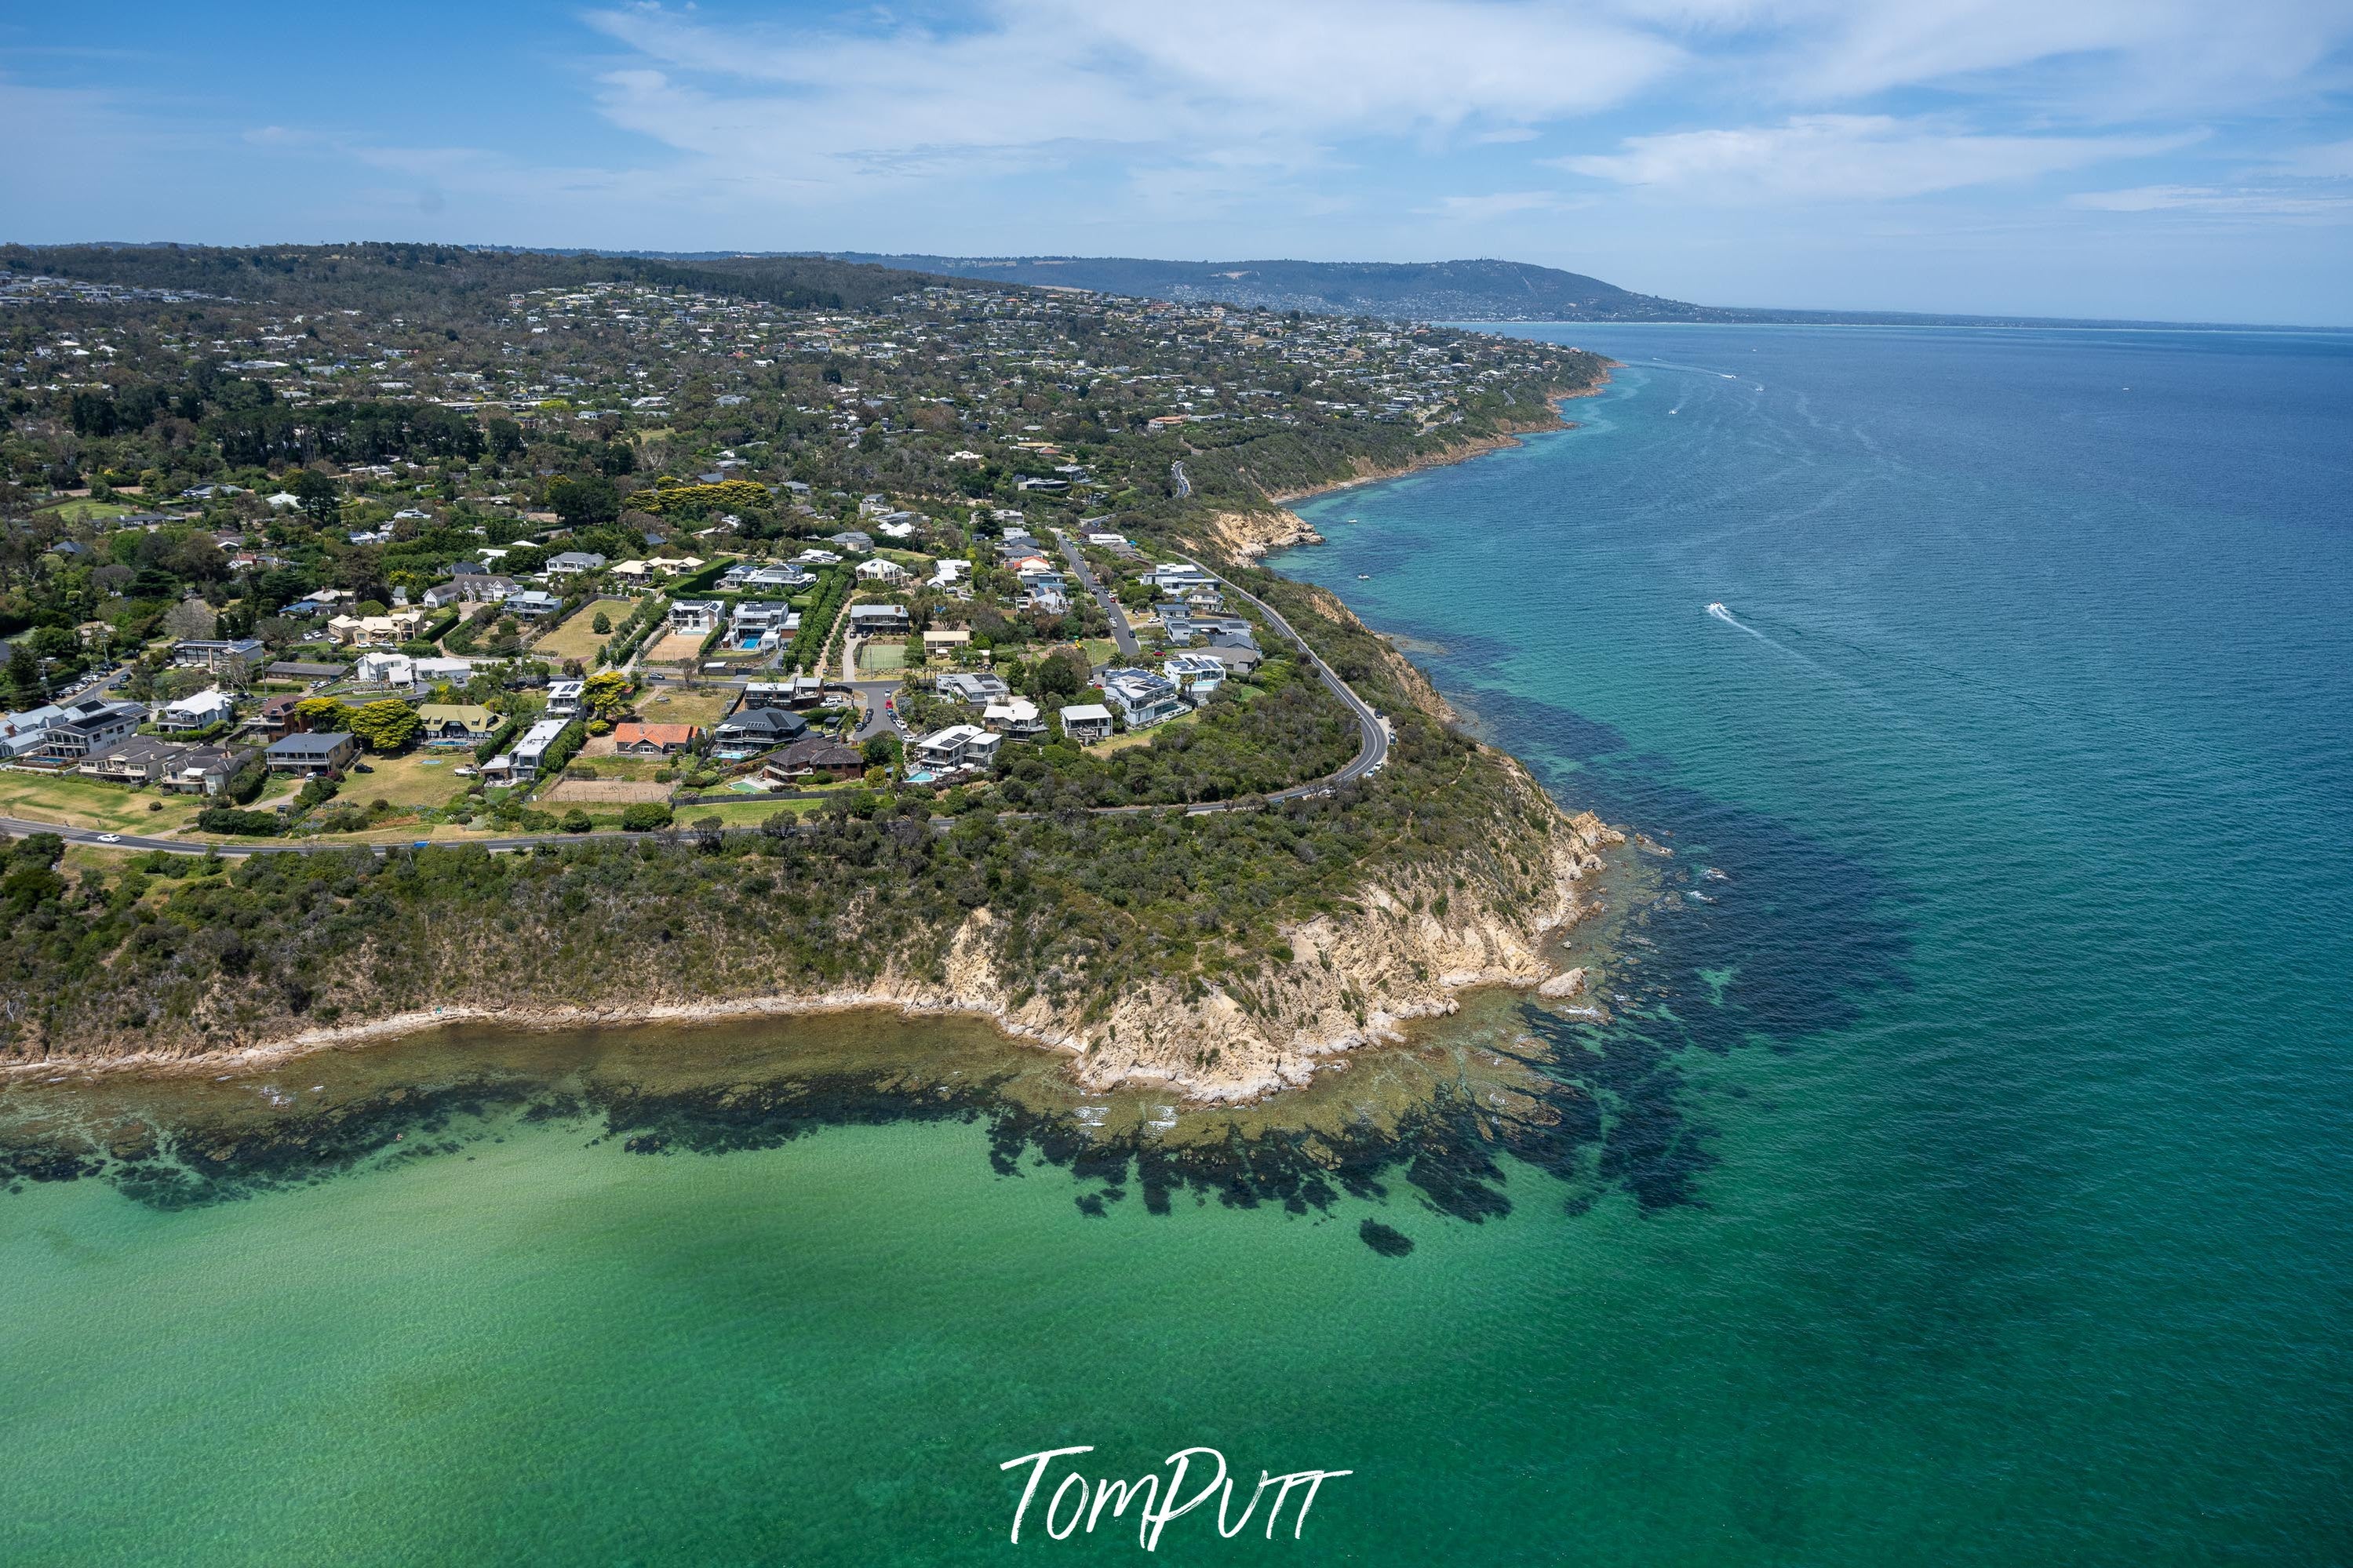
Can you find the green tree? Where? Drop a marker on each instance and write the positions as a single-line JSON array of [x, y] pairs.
[[324, 714], [645, 815], [586, 502], [1064, 674], [605, 695], [576, 821], [321, 499], [601, 624], [384, 726]]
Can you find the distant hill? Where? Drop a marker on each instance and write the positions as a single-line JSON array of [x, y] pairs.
[[1422, 291]]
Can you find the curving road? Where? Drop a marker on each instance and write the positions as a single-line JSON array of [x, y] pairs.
[[1372, 746]]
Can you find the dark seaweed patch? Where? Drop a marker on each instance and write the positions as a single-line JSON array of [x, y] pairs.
[[1383, 1240]]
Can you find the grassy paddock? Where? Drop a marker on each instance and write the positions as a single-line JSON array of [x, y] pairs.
[[71, 801], [577, 637]]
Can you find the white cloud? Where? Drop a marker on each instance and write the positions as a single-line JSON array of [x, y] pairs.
[[1847, 158], [1042, 81], [1500, 203], [2330, 161], [2215, 201]]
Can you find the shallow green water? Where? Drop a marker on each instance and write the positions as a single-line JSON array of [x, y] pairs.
[[1976, 1190]]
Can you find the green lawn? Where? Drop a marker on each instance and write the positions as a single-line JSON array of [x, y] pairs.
[[577, 637], [82, 509], [420, 778], [675, 705], [72, 801]]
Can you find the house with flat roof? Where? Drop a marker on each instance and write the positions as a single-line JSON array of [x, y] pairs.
[[696, 617], [978, 690], [237, 655], [322, 751], [1142, 698], [957, 746], [522, 765], [1196, 676], [1087, 722], [878, 620]]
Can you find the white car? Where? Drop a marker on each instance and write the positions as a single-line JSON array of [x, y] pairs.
[[109, 838]]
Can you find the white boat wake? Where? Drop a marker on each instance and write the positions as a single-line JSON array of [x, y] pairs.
[[1721, 614]]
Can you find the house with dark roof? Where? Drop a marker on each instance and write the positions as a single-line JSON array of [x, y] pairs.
[[328, 751]]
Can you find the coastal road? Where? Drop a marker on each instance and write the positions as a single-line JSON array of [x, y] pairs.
[[1372, 730], [1120, 631], [1176, 477]]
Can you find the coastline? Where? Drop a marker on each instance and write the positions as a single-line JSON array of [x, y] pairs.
[[1461, 451], [1398, 953]]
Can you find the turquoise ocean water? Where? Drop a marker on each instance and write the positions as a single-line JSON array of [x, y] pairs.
[[1983, 1192]]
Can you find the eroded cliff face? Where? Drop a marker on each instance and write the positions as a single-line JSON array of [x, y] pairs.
[[1407, 940], [1246, 535]]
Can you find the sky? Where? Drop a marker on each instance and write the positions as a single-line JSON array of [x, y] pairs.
[[2151, 159]]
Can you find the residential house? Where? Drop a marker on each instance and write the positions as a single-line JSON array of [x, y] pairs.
[[814, 756], [275, 717], [1016, 717], [1184, 626], [455, 723], [433, 671], [522, 764], [532, 605], [475, 587], [1195, 675], [21, 732], [948, 572], [957, 746], [327, 750], [90, 726], [757, 728], [696, 617], [978, 690], [852, 542], [206, 770], [240, 657], [384, 668], [939, 640], [1087, 722], [879, 570], [745, 578], [304, 670], [376, 631], [653, 740], [572, 562], [764, 622], [201, 711], [1142, 698], [878, 620], [139, 760], [564, 698], [1180, 577]]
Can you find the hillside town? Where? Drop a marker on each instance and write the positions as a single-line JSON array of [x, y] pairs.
[[609, 556]]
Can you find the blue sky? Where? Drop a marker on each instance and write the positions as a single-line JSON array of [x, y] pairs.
[[2134, 158]]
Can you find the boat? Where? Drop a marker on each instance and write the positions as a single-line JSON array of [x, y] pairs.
[[1364, 576], [1715, 607]]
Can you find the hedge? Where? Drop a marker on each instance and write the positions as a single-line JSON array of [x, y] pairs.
[[228, 819]]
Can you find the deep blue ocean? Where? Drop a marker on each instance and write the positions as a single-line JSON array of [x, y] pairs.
[[2018, 1029]]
